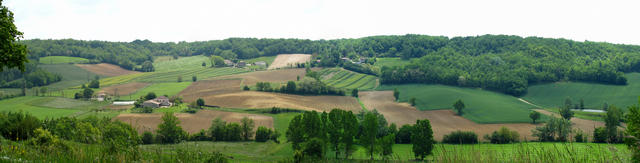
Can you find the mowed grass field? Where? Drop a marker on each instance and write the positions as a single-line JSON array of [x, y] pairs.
[[267, 59], [594, 95], [48, 107], [159, 89], [159, 77], [72, 76], [62, 59], [481, 106], [390, 62], [182, 63], [341, 78]]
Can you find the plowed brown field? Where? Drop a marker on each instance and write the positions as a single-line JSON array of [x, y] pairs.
[[253, 99], [106, 69], [192, 123], [205, 88]]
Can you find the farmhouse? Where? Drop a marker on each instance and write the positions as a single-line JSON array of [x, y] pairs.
[[161, 101], [241, 64]]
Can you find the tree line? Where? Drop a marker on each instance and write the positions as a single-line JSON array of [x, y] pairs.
[[34, 76]]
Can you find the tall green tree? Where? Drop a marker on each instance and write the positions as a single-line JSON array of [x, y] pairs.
[[335, 129], [247, 128], [422, 139], [169, 131], [12, 53], [200, 103], [396, 94], [633, 130], [369, 133], [612, 121], [350, 127], [217, 61], [295, 132], [147, 66], [459, 106], [534, 115], [218, 129]]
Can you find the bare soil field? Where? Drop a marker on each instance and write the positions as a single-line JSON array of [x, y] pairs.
[[254, 99], [288, 60], [106, 69], [124, 89], [274, 76], [442, 121], [192, 123], [206, 88]]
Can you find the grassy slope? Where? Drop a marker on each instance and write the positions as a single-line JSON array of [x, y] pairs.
[[390, 62], [71, 75], [348, 79], [159, 89], [158, 77], [481, 106], [43, 107], [184, 63], [268, 59], [594, 95], [62, 59]]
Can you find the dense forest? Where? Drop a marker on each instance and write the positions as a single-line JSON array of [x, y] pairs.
[[496, 62], [13, 78]]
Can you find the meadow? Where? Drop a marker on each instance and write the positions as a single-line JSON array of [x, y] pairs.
[[159, 77], [390, 62], [62, 60], [182, 63], [481, 106], [49, 107], [552, 95], [340, 78], [267, 59], [72, 76], [159, 89]]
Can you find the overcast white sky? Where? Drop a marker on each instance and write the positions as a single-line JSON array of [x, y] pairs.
[[615, 21]]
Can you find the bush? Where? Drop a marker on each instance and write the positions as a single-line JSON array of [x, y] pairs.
[[412, 101], [150, 96], [461, 137], [263, 134], [18, 126], [600, 135], [314, 148], [87, 133], [246, 88], [503, 136], [404, 134], [94, 84], [580, 137], [169, 131], [200, 136], [147, 137], [194, 78], [47, 142]]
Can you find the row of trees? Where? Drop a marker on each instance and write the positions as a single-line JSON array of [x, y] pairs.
[[312, 134], [304, 87]]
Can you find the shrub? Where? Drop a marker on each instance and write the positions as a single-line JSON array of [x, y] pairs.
[[404, 134], [179, 79], [461, 137], [194, 78], [147, 137], [503, 136], [600, 135], [94, 84], [88, 134], [18, 126], [169, 131], [412, 101], [150, 96], [246, 88], [200, 136], [120, 137], [580, 136], [263, 134], [47, 142], [314, 148]]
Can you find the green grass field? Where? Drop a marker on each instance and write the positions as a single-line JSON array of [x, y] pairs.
[[162, 77], [159, 89], [348, 79], [62, 59], [51, 107], [72, 76], [390, 62], [183, 63], [595, 95], [481, 106], [267, 59]]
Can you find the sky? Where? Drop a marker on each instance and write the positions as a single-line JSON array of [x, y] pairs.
[[614, 21]]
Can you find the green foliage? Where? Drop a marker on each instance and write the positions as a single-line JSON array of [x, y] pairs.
[[14, 53], [534, 115], [566, 112], [412, 101], [370, 128], [386, 143], [295, 132], [94, 84], [200, 102], [503, 136], [150, 96], [263, 134], [580, 136], [18, 125], [217, 131], [632, 118], [314, 147], [87, 93], [179, 79], [246, 125], [147, 66], [354, 92], [47, 142], [168, 131], [461, 137], [194, 78], [422, 139], [233, 132], [404, 134], [396, 94], [246, 88], [612, 121], [119, 137], [600, 135], [217, 61], [87, 133], [459, 105], [147, 137], [34, 76], [556, 129]]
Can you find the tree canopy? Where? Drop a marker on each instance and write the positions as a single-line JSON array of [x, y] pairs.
[[12, 53]]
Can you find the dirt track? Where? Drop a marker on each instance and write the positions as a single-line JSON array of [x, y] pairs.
[[288, 60], [124, 89], [106, 69], [191, 123], [442, 121]]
